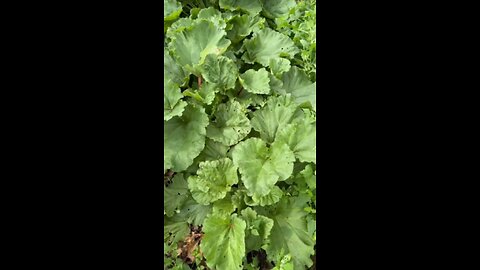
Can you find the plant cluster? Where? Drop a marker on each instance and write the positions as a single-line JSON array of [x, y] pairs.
[[239, 134]]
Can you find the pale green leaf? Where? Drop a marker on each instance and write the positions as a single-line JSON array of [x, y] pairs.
[[171, 10], [175, 194], [172, 103], [220, 70], [261, 167], [258, 229], [289, 233], [223, 243], [276, 8], [256, 82], [192, 44], [268, 44], [230, 124], [184, 138], [275, 115], [301, 137], [250, 6], [296, 82], [213, 180]]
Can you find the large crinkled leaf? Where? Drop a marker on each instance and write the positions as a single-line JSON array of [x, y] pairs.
[[171, 10], [296, 82], [175, 195], [172, 71], [230, 124], [256, 81], [184, 138], [223, 243], [212, 15], [301, 137], [250, 6], [257, 230], [223, 206], [240, 26], [172, 103], [220, 70], [261, 167], [174, 230], [275, 115], [276, 8], [192, 44], [213, 180], [279, 65], [193, 212], [271, 198], [268, 44], [290, 233]]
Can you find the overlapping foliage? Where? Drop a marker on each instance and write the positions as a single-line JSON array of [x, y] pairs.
[[239, 134]]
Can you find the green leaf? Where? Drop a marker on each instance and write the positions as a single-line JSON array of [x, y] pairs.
[[272, 197], [192, 44], [277, 114], [258, 229], [230, 124], [240, 26], [175, 195], [174, 230], [223, 243], [290, 233], [256, 82], [213, 180], [250, 6], [301, 137], [279, 65], [212, 15], [172, 71], [296, 82], [194, 213], [268, 44], [220, 70], [224, 206], [261, 167], [184, 138], [172, 103], [276, 8], [171, 10]]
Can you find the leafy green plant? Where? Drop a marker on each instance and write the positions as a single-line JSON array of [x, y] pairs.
[[239, 134]]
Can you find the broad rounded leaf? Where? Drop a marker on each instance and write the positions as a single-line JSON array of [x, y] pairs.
[[175, 194], [290, 233], [184, 138], [301, 137], [230, 124], [267, 44], [172, 103], [279, 65], [171, 10], [296, 82], [220, 70], [213, 180], [223, 244], [261, 167], [240, 26], [258, 229], [275, 115], [276, 8], [250, 6], [272, 197], [256, 82], [192, 44]]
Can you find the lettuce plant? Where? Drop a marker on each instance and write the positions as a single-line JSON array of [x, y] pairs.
[[239, 134]]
